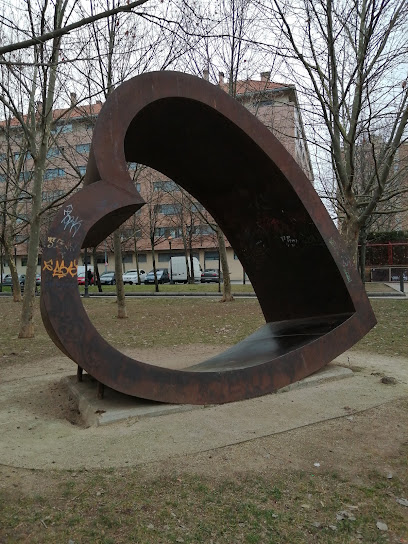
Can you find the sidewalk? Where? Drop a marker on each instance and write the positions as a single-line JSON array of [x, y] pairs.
[[380, 289]]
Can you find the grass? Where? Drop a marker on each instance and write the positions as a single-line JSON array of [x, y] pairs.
[[389, 336], [182, 321], [125, 506], [167, 288], [152, 322]]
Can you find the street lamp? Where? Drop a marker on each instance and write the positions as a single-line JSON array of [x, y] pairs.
[[171, 266]]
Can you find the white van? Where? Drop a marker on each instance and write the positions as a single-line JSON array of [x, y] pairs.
[[178, 269]]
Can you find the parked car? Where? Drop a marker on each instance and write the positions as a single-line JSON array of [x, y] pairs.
[[396, 277], [108, 278], [8, 280], [38, 279], [162, 276], [210, 275], [131, 276], [81, 280]]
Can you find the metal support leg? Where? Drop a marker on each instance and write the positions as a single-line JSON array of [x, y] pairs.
[[100, 390]]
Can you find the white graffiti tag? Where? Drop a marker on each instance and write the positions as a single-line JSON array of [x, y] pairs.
[[70, 221]]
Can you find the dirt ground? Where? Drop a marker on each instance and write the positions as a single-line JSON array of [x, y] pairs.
[[353, 441]]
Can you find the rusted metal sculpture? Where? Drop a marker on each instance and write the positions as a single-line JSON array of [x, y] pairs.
[[314, 304]]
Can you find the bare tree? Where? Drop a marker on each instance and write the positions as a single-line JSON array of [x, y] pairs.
[[124, 49], [14, 196], [151, 227], [347, 57], [30, 82], [35, 128], [228, 45]]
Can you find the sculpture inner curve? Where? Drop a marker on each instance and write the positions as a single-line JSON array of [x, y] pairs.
[[273, 235]]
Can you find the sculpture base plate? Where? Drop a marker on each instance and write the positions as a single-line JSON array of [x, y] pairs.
[[116, 407]]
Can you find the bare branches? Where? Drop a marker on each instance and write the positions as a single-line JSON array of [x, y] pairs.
[[59, 32], [347, 58]]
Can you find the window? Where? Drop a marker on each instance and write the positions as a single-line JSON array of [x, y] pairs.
[[100, 259], [126, 234], [53, 152], [142, 258], [23, 196], [26, 176], [127, 258], [196, 206], [167, 209], [211, 256], [62, 129], [24, 261], [164, 257], [165, 232], [202, 229], [52, 173], [50, 196], [83, 148], [167, 186]]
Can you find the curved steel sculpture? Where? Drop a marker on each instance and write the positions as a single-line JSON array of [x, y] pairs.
[[314, 304]]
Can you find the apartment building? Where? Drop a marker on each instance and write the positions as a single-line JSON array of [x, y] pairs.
[[171, 222]]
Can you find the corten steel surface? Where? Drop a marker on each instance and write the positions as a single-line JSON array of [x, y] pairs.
[[314, 304]]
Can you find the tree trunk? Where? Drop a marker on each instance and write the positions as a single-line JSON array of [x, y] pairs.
[[156, 283], [27, 311], [120, 288], [362, 253], [137, 260], [190, 249], [183, 237], [226, 296], [350, 231], [14, 276], [192, 274]]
